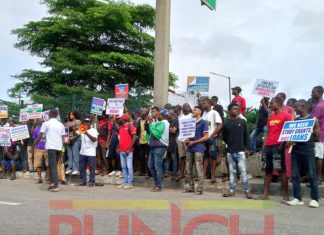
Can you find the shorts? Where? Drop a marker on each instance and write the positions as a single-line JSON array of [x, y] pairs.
[[319, 150], [39, 155], [211, 149], [8, 165], [182, 149], [269, 151], [113, 150]]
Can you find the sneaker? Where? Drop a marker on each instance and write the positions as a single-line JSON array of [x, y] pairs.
[[118, 173], [88, 172], [112, 173], [68, 172], [313, 204], [121, 186], [75, 173], [295, 202], [128, 186]]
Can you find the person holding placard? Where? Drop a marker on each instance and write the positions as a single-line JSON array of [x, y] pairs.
[[304, 152], [11, 162], [195, 152]]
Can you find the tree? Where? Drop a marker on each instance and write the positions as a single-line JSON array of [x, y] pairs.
[[88, 44]]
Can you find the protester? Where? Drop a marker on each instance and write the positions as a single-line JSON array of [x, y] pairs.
[[195, 152], [272, 148], [304, 152], [236, 137], [260, 124], [214, 127], [292, 103], [236, 91], [127, 138], [318, 112], [54, 132], [186, 113], [217, 107], [113, 155], [73, 149], [11, 161], [159, 142]]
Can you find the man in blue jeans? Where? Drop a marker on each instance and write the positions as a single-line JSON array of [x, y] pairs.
[[304, 152], [236, 137], [159, 142]]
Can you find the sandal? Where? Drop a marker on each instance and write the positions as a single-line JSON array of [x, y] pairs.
[[229, 194], [54, 190], [189, 190], [39, 182]]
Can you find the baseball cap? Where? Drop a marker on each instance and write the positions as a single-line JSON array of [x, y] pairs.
[[164, 112], [124, 116]]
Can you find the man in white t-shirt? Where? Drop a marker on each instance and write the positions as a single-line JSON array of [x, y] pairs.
[[54, 132], [89, 142], [214, 127]]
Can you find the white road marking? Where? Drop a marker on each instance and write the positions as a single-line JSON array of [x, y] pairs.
[[10, 203]]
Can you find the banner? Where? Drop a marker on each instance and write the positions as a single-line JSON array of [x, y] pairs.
[[35, 111], [23, 115], [97, 106], [46, 115], [115, 106], [197, 84], [3, 111], [121, 91], [297, 131], [19, 133], [265, 88], [5, 140], [187, 128]]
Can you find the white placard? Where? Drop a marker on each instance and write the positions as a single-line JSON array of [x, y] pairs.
[[187, 128], [115, 106], [265, 88], [19, 133]]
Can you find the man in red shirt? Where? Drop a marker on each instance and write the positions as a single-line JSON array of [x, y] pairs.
[[127, 138], [236, 91], [273, 149]]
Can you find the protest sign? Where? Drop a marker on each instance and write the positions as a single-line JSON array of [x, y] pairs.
[[187, 128], [265, 88], [23, 116], [34, 111], [297, 131], [3, 111], [97, 106], [121, 91], [115, 106], [46, 115], [19, 133], [5, 137]]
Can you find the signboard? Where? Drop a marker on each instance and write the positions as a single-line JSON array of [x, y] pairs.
[[187, 128], [23, 116], [3, 111], [265, 88], [5, 137], [121, 91], [211, 4], [35, 111], [19, 133], [97, 106], [197, 84], [115, 106], [297, 131], [46, 115]]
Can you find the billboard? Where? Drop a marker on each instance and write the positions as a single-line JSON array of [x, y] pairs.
[[198, 84]]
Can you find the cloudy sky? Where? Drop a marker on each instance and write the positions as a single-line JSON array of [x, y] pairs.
[[274, 40]]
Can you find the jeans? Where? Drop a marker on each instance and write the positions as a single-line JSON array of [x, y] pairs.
[[167, 163], [24, 157], [297, 159], [155, 164], [253, 137], [53, 156], [84, 160], [194, 160], [127, 167], [234, 160], [73, 152]]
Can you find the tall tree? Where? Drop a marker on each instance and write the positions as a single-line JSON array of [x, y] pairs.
[[90, 44]]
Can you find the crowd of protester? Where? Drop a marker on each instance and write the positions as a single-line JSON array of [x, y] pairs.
[[145, 143]]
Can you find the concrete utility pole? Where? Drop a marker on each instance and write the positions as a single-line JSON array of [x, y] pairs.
[[161, 53]]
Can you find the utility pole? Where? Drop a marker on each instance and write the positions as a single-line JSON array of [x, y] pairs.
[[161, 52]]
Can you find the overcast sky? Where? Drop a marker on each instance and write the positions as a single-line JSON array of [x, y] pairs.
[[274, 40]]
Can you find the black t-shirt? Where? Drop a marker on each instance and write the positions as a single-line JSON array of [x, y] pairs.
[[304, 147], [220, 110], [262, 117], [173, 137]]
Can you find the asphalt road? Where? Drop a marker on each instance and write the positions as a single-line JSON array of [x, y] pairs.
[[27, 208]]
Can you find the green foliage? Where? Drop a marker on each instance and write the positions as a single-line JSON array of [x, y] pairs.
[[88, 44], [251, 117]]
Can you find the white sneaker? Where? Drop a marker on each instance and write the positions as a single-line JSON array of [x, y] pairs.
[[121, 186], [128, 186], [112, 173], [313, 204], [88, 172], [295, 202], [118, 173], [68, 172], [75, 173]]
